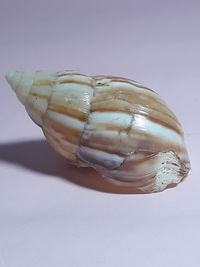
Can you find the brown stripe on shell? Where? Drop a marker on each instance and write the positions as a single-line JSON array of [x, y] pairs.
[[104, 149], [133, 83], [99, 77], [133, 98], [114, 127], [135, 172], [68, 133], [75, 82], [123, 80], [140, 156], [163, 123], [72, 103], [42, 83], [62, 150], [134, 161], [128, 139], [123, 107], [39, 95], [125, 143], [140, 183], [62, 74], [71, 112], [110, 78]]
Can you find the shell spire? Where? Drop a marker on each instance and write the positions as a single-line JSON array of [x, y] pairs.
[[20, 82], [116, 125], [32, 89]]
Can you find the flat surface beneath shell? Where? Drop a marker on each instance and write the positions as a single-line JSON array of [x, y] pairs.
[[52, 214]]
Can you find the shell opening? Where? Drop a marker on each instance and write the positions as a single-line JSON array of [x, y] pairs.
[[170, 171]]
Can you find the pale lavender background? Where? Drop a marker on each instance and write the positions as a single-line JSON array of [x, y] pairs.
[[52, 214]]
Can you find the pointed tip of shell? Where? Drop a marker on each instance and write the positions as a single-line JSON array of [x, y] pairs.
[[13, 78], [9, 76], [20, 82]]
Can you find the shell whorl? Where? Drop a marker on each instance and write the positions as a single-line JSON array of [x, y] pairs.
[[33, 88], [21, 83], [115, 125]]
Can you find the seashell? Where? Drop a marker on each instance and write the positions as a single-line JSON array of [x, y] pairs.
[[116, 125]]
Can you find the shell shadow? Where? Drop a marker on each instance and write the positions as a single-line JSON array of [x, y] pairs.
[[38, 156]]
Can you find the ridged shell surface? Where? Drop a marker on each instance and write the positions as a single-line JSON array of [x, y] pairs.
[[119, 127]]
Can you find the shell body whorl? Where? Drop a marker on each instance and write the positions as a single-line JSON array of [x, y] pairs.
[[115, 125]]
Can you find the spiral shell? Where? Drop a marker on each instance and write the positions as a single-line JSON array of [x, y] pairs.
[[119, 127]]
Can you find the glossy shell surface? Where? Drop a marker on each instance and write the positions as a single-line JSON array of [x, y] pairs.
[[116, 125]]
